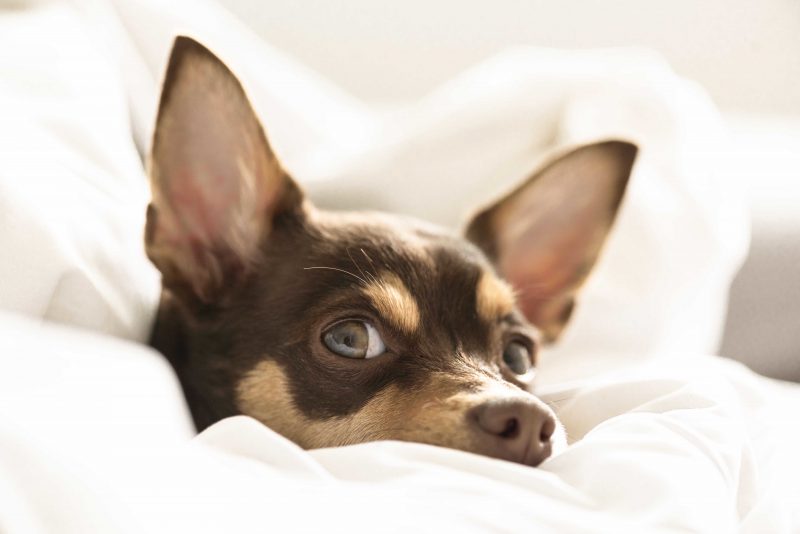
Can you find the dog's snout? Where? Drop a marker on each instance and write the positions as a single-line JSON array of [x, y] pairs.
[[519, 430]]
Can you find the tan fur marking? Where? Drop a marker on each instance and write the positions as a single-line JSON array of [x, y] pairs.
[[434, 413], [394, 302], [494, 298], [393, 414], [264, 394]]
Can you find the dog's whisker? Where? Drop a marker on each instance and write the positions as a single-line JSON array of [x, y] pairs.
[[360, 270], [364, 252], [339, 270], [372, 264]]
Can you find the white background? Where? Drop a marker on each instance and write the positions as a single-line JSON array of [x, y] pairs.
[[745, 52]]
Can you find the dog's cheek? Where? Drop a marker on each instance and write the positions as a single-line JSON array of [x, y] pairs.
[[440, 422], [433, 413], [392, 414], [264, 394]]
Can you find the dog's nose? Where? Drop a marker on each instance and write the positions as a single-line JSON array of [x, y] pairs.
[[519, 430]]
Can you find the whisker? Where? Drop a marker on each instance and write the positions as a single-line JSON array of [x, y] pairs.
[[372, 263], [360, 270], [339, 270], [364, 252]]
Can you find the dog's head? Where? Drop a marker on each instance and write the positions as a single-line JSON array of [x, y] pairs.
[[338, 328]]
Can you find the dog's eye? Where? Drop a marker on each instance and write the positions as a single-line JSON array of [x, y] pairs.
[[517, 357], [354, 339]]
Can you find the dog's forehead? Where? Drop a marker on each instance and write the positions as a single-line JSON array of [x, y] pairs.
[[403, 250], [406, 265], [404, 241]]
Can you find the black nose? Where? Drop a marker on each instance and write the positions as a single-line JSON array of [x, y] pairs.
[[518, 430]]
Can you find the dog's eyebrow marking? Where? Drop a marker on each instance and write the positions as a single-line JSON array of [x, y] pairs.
[[394, 302], [494, 298]]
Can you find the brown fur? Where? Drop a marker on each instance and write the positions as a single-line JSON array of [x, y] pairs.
[[254, 275]]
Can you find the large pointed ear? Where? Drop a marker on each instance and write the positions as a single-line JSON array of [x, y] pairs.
[[217, 186], [545, 236]]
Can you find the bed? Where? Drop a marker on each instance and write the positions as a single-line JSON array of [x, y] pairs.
[[94, 434]]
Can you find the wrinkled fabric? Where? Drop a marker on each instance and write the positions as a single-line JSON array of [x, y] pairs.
[[94, 437]]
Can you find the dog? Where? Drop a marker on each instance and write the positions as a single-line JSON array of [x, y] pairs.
[[341, 328]]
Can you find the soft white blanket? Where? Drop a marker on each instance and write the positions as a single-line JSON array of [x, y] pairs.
[[94, 436]]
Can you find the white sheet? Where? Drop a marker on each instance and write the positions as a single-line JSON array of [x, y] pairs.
[[72, 189], [93, 438]]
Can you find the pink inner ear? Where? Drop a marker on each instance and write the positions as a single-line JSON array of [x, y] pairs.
[[548, 233], [550, 244], [544, 276], [199, 158], [197, 213], [215, 179], [219, 173]]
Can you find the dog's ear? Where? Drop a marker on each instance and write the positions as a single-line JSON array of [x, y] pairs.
[[217, 186], [545, 236]]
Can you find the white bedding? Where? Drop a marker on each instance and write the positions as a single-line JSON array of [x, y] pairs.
[[94, 436]]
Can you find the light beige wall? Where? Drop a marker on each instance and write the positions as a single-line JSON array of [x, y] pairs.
[[745, 52]]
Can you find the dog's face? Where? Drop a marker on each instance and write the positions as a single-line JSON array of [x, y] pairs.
[[339, 328]]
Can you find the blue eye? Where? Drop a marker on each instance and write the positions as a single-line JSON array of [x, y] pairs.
[[517, 357], [354, 339]]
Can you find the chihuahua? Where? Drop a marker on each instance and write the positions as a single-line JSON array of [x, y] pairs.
[[340, 328]]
